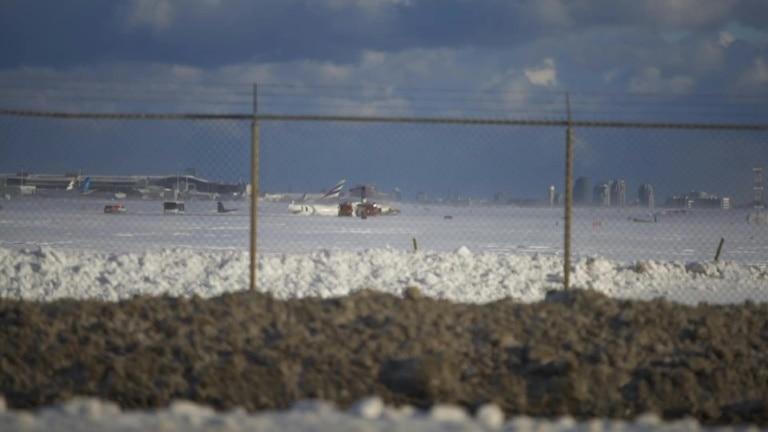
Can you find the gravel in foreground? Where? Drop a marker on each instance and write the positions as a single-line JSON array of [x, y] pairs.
[[578, 354]]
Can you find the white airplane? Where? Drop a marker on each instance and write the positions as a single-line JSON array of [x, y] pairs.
[[318, 207], [362, 208]]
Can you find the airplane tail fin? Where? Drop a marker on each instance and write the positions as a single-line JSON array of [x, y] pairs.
[[71, 184], [222, 209], [85, 186], [335, 191]]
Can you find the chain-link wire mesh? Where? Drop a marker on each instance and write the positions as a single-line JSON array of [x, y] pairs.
[[639, 193], [667, 194], [466, 179], [101, 183]]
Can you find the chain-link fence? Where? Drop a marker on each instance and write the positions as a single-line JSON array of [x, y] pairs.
[[131, 183]]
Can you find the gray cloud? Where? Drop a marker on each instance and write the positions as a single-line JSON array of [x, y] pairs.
[[203, 55], [212, 33]]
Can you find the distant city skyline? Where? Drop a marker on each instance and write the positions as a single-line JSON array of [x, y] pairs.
[[611, 193]]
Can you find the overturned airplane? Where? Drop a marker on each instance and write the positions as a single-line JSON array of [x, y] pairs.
[[361, 208]]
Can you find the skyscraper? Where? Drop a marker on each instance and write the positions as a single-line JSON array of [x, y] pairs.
[[618, 193], [645, 195], [601, 194], [581, 191], [552, 195]]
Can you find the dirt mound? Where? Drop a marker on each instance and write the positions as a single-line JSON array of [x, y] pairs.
[[578, 352]]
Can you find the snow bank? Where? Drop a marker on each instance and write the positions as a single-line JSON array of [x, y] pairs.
[[46, 273]]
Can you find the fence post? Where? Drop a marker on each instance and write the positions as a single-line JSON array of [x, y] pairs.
[[254, 187], [719, 248], [568, 195]]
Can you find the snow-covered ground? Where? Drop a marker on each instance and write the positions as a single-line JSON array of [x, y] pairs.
[[367, 415], [68, 248], [51, 249]]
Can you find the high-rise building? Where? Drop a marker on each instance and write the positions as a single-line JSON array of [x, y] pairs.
[[758, 216], [601, 194], [581, 191], [552, 195], [645, 195], [618, 193]]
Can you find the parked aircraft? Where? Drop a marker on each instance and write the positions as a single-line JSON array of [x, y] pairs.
[[84, 186], [85, 189]]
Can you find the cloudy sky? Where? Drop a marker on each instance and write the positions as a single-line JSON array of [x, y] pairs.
[[703, 61]]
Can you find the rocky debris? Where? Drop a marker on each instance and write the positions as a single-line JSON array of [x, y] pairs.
[[577, 353]]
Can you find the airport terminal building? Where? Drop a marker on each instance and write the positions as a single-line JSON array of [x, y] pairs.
[[135, 186]]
